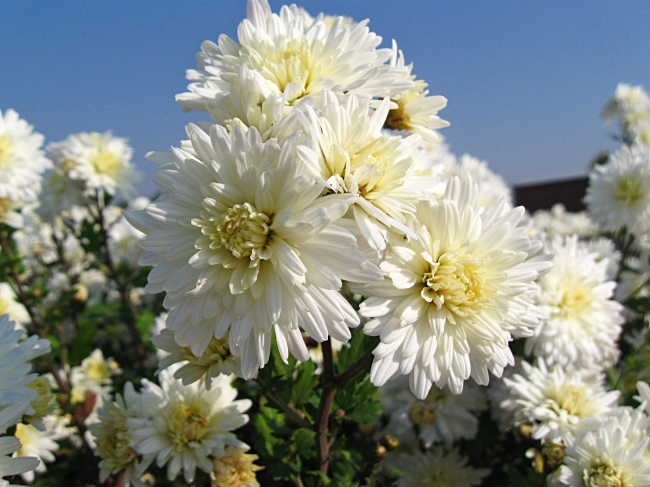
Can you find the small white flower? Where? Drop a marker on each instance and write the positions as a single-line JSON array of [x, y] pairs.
[[191, 426], [21, 164], [11, 307], [611, 455], [584, 322], [630, 105], [98, 160], [453, 298], [556, 403], [441, 417], [619, 191], [416, 112], [114, 435], [93, 375], [437, 468], [558, 221], [9, 416], [39, 444]]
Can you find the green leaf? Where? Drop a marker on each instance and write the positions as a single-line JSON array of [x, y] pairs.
[[306, 383]]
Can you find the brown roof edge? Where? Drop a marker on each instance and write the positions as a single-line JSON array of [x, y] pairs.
[[542, 196]]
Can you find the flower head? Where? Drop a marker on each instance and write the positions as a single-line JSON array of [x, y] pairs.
[[243, 242], [98, 160], [284, 59], [453, 298], [191, 425], [235, 468], [619, 191], [583, 321]]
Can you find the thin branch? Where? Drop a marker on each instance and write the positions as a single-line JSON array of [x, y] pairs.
[[324, 408], [288, 410], [357, 367]]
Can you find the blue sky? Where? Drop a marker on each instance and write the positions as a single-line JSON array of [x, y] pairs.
[[525, 80]]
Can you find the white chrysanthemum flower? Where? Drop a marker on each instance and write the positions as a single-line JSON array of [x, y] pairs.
[[604, 248], [441, 417], [558, 221], [416, 112], [21, 164], [349, 151], [584, 322], [62, 197], [9, 306], [556, 403], [113, 435], [630, 105], [192, 425], [99, 160], [40, 444], [437, 468], [235, 468], [215, 360], [93, 375], [453, 298], [283, 59], [492, 189], [619, 191], [14, 364], [10, 416], [242, 241], [611, 455]]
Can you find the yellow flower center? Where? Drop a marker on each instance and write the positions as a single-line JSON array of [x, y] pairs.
[[235, 469], [423, 412], [115, 444], [187, 424], [98, 370], [106, 163], [571, 398], [575, 299], [217, 352], [397, 118], [6, 148], [628, 191], [603, 476], [242, 230], [455, 283]]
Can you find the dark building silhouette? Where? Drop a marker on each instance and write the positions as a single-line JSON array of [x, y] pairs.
[[542, 196]]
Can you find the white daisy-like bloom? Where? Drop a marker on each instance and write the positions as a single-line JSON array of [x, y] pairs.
[[40, 443], [215, 360], [93, 375], [348, 150], [15, 355], [584, 321], [99, 160], [242, 242], [21, 164], [283, 59], [11, 307], [556, 403], [416, 112], [62, 197], [235, 468], [605, 249], [614, 454], [436, 468], [191, 426], [492, 189], [441, 417], [630, 105], [35, 243], [113, 435], [453, 299], [558, 221], [618, 194], [10, 416]]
